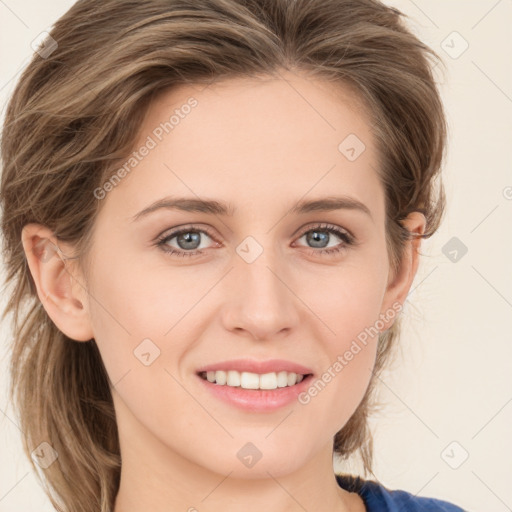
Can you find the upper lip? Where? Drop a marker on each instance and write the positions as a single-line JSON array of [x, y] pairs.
[[253, 366]]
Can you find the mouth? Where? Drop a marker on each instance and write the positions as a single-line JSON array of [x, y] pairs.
[[255, 381], [255, 386]]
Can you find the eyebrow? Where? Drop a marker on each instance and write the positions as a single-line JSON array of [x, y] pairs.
[[213, 207]]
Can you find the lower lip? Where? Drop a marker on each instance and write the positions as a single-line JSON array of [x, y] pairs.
[[257, 400]]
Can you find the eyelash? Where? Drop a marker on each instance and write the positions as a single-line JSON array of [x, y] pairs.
[[348, 240]]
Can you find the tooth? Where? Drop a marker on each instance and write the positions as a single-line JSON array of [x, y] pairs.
[[282, 379], [268, 381], [292, 377], [233, 378], [220, 377], [250, 380]]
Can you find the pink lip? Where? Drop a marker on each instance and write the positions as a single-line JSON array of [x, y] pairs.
[[253, 366], [257, 400]]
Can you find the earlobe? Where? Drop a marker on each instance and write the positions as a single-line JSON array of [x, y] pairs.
[[400, 283], [59, 285]]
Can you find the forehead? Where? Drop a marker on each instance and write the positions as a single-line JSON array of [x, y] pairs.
[[251, 142]]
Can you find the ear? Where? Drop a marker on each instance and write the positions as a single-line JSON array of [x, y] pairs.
[[399, 283], [60, 286]]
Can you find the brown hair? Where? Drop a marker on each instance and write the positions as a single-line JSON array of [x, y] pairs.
[[76, 111]]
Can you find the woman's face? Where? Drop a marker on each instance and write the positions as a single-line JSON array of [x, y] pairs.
[[260, 281]]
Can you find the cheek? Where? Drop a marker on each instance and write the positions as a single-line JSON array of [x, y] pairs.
[[138, 324], [348, 304], [334, 395], [133, 301], [347, 300], [145, 323]]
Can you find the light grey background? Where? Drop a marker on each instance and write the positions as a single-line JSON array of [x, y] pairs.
[[449, 395]]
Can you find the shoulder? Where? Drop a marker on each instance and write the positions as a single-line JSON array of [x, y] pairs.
[[378, 498]]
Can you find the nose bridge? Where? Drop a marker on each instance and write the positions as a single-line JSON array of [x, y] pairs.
[[260, 300]]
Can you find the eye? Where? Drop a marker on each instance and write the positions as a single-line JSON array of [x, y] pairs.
[[321, 235], [188, 240]]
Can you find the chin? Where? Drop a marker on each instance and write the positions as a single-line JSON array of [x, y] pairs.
[[248, 460]]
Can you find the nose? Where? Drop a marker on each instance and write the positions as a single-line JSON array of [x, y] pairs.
[[259, 298]]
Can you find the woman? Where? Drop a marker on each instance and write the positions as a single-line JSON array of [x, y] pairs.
[[214, 209]]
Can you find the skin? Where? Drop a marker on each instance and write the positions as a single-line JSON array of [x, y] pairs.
[[261, 145]]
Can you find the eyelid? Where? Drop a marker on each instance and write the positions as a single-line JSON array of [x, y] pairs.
[[176, 230], [324, 225]]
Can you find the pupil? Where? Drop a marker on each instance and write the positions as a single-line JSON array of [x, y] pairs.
[[188, 238], [317, 236]]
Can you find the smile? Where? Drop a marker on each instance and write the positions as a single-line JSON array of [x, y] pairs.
[[250, 380]]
